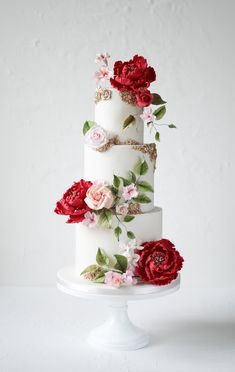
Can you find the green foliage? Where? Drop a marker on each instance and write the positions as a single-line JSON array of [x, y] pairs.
[[105, 218], [144, 186], [142, 198], [117, 232], [121, 263], [157, 100], [128, 218], [87, 126], [160, 112], [141, 167], [130, 235], [101, 258], [157, 136], [89, 269]]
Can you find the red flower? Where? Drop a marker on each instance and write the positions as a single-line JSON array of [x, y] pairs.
[[143, 98], [159, 262], [72, 204], [133, 74]]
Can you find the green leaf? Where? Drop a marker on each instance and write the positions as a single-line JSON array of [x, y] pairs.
[[132, 177], [105, 218], [89, 269], [117, 232], [160, 112], [171, 126], [128, 122], [116, 181], [142, 198], [100, 278], [128, 218], [113, 190], [101, 257], [125, 181], [144, 186], [130, 235], [87, 126], [157, 100], [141, 167], [157, 136], [121, 263]]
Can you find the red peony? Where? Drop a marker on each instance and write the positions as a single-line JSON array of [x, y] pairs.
[[72, 204], [133, 74], [159, 262], [143, 98]]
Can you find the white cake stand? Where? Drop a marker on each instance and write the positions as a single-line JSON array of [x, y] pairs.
[[118, 332]]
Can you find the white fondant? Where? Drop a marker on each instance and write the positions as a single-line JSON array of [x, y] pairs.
[[111, 114], [146, 227], [118, 160]]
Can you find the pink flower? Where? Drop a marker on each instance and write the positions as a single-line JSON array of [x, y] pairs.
[[102, 58], [90, 220], [102, 74], [99, 196], [113, 278], [122, 209], [96, 137], [128, 278], [147, 115], [129, 192]]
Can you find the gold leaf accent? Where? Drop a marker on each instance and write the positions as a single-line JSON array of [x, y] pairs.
[[92, 275], [128, 97], [111, 142], [150, 149], [134, 208]]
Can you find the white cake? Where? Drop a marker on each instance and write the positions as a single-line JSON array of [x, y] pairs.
[[118, 160], [118, 228]]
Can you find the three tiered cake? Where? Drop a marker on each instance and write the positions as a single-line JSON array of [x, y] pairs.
[[118, 228]]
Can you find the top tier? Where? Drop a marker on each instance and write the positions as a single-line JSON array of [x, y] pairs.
[[111, 111]]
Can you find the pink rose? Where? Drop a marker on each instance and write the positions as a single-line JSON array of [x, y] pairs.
[[90, 219], [122, 209], [96, 137], [129, 192], [113, 278], [99, 196]]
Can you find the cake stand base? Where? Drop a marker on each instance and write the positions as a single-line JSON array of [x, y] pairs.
[[118, 332]]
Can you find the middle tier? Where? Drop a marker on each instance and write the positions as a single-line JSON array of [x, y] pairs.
[[119, 160]]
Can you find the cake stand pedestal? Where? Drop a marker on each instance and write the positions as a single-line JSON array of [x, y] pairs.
[[118, 332]]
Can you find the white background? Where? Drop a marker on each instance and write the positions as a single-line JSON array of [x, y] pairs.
[[47, 51]]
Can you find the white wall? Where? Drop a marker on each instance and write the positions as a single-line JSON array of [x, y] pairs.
[[47, 49]]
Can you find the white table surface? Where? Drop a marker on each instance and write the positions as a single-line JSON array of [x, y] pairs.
[[42, 329]]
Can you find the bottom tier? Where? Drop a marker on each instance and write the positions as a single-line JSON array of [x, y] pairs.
[[146, 226]]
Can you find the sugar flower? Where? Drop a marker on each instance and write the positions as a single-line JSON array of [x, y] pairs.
[[90, 220], [98, 197], [129, 192], [122, 209], [129, 251], [147, 115], [96, 137], [102, 74], [113, 278], [102, 58]]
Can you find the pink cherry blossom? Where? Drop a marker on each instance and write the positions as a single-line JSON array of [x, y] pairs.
[[90, 220], [129, 192], [102, 58], [147, 115], [113, 278], [102, 74], [128, 278]]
